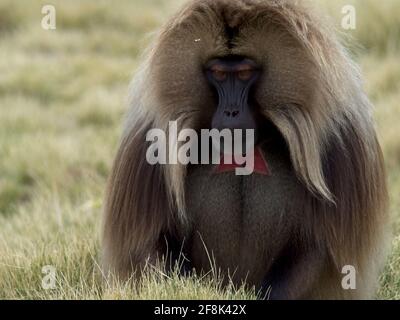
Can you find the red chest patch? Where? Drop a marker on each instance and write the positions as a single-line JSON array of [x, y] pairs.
[[260, 164]]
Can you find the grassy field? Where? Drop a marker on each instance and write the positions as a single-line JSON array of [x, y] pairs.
[[62, 97]]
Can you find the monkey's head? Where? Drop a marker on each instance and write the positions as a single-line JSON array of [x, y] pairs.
[[250, 63]]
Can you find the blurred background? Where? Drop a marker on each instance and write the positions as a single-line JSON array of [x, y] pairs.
[[62, 99]]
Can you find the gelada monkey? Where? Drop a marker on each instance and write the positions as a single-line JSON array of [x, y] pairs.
[[275, 67]]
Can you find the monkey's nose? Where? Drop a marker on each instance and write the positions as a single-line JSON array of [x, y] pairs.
[[231, 113]]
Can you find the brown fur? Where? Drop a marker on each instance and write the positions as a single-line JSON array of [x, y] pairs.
[[310, 90]]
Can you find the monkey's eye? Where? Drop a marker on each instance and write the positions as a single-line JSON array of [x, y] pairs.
[[219, 75], [245, 74]]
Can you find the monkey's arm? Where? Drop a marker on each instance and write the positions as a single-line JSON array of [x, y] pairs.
[[138, 214], [292, 277]]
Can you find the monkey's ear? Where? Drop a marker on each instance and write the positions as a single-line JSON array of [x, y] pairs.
[[137, 208]]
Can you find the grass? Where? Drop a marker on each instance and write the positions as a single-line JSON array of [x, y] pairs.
[[62, 98]]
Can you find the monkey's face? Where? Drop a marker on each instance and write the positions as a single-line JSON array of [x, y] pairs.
[[232, 79], [243, 81]]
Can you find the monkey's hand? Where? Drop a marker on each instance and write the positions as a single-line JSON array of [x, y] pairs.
[[292, 278]]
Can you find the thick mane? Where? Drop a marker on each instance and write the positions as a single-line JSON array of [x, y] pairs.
[[308, 129]]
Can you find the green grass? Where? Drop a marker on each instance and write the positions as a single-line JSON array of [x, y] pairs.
[[62, 99]]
